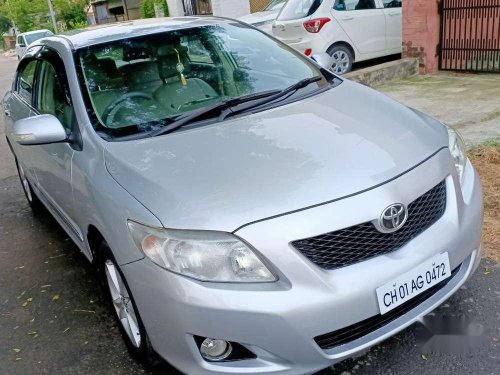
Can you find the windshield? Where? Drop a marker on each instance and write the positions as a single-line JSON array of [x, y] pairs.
[[296, 9], [30, 38], [142, 84], [274, 5]]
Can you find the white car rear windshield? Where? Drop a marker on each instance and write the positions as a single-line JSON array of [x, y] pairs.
[[297, 9], [274, 5], [30, 38]]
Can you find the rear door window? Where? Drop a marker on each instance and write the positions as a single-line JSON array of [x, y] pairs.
[[297, 9], [52, 97], [392, 3]]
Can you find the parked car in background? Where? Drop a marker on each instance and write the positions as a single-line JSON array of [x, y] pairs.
[[25, 39], [247, 210], [348, 30], [264, 20]]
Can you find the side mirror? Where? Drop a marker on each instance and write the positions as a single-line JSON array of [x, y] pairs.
[[323, 59], [39, 130]]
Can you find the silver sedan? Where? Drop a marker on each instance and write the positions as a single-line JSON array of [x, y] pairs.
[[247, 210]]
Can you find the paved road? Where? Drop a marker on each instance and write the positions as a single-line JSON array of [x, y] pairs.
[[74, 333]]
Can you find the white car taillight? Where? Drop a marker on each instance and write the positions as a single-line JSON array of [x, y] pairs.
[[314, 26]]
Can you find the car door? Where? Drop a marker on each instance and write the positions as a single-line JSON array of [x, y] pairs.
[[394, 24], [364, 23], [52, 162], [18, 105]]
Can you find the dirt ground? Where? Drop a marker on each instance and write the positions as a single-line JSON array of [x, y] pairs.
[[486, 158]]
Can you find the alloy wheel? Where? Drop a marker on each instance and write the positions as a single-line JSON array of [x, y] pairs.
[[340, 62], [123, 304]]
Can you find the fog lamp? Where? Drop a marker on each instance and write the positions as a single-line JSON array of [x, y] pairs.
[[215, 350]]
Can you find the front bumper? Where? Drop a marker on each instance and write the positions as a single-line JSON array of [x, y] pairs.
[[278, 321]]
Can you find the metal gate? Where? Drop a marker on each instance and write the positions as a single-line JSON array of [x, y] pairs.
[[470, 35], [197, 7]]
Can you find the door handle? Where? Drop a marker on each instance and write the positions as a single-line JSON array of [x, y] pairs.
[[347, 18], [394, 14]]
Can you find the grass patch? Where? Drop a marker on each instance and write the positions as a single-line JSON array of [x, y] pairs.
[[486, 159]]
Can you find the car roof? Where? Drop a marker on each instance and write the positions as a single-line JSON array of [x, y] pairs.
[[128, 29]]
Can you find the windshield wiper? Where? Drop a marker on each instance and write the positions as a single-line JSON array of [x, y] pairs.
[[253, 100], [189, 117], [271, 98]]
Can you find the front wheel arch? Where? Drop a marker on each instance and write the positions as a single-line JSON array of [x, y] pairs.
[[94, 240]]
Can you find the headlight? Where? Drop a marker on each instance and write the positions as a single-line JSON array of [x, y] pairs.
[[202, 255], [458, 152]]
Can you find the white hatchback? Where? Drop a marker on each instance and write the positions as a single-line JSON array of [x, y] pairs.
[[348, 30]]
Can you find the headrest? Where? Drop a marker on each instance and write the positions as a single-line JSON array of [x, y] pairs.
[[168, 59], [108, 66], [136, 52], [140, 73], [98, 72]]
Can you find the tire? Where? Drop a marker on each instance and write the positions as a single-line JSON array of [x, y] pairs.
[[125, 311], [342, 59], [35, 204]]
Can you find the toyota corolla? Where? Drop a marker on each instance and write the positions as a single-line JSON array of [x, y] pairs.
[[247, 210]]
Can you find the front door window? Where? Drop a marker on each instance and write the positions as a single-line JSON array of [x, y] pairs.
[[52, 98]]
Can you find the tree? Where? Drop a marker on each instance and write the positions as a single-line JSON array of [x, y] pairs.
[[148, 8], [71, 13], [27, 14], [5, 24], [34, 14]]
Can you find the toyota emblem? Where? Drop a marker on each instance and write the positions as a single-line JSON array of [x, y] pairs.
[[393, 218]]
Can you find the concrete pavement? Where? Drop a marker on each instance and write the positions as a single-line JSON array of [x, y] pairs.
[[53, 319], [468, 102]]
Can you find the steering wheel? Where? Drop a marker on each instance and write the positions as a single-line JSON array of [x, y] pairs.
[[115, 104]]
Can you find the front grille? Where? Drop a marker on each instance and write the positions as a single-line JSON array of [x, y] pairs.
[[363, 328], [361, 242]]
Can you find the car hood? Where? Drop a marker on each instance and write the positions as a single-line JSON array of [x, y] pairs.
[[260, 17], [223, 176]]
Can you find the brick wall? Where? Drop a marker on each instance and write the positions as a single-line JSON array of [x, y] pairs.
[[258, 5], [421, 24]]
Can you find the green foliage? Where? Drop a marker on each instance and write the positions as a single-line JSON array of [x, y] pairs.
[[34, 14], [5, 24], [148, 8], [27, 14], [71, 13]]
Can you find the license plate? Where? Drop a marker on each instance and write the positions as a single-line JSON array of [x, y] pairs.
[[414, 282]]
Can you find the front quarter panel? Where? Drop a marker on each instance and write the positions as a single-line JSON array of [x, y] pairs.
[[101, 202]]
